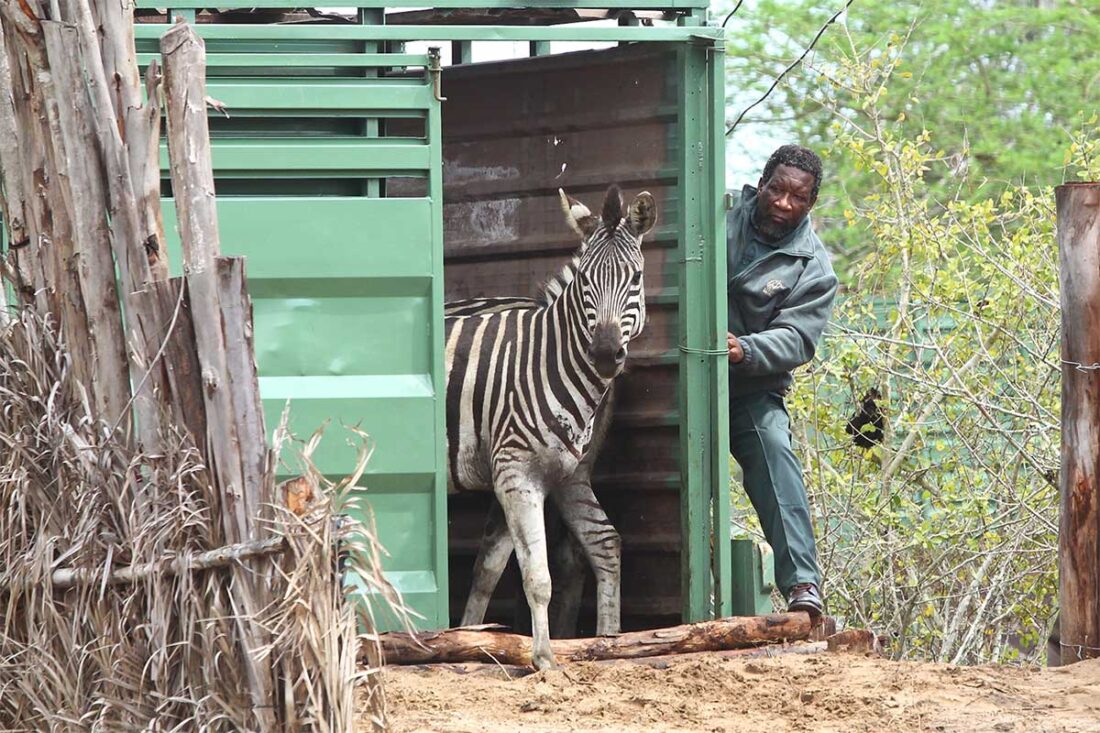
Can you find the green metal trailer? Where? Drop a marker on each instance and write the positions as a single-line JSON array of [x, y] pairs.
[[363, 201]]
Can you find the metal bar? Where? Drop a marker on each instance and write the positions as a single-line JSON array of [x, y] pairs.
[[187, 14], [372, 128], [703, 386], [694, 407], [300, 60], [586, 4], [323, 95], [439, 505], [361, 157], [664, 34], [714, 218], [1078, 225], [462, 52]]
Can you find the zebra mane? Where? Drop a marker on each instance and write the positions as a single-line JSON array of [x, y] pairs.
[[555, 285]]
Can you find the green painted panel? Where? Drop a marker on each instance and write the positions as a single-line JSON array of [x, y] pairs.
[[320, 96], [303, 237], [398, 412], [346, 289], [403, 530], [320, 157], [309, 335]]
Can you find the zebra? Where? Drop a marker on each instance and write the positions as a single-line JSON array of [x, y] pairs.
[[524, 386], [603, 555]]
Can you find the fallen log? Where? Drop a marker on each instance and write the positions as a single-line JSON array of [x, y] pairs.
[[663, 661], [483, 645]]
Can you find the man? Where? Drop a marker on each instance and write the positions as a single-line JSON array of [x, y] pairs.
[[781, 289]]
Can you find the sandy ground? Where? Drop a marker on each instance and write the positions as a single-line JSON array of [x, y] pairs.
[[826, 692]]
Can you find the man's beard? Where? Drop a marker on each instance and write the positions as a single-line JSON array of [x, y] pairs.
[[770, 229]]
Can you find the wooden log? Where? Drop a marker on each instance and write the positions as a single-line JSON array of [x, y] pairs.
[[138, 122], [1078, 223], [189, 133], [257, 472], [127, 240], [663, 661], [92, 318], [176, 358], [143, 125], [464, 645], [13, 195], [32, 258]]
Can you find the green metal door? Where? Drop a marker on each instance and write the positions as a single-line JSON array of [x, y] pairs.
[[346, 281]]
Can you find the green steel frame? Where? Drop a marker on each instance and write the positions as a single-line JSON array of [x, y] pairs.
[[702, 280], [349, 323]]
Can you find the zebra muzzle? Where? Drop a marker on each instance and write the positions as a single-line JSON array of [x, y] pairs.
[[607, 350]]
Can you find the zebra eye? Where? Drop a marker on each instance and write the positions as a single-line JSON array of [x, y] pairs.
[[637, 278]]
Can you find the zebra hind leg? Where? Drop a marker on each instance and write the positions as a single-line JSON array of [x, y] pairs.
[[522, 501], [492, 557], [568, 568], [602, 545]]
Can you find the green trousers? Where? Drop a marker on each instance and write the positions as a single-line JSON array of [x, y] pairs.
[[760, 441]]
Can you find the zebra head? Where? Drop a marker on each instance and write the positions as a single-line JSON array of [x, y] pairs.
[[609, 273]]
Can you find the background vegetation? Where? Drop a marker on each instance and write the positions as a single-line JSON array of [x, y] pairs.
[[944, 126]]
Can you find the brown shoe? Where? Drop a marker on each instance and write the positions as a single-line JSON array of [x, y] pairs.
[[805, 597]]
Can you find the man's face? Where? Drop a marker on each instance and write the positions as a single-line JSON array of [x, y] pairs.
[[783, 201]]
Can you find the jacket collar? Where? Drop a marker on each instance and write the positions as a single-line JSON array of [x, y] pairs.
[[798, 242]]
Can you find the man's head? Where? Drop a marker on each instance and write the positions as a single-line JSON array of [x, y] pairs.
[[787, 190]]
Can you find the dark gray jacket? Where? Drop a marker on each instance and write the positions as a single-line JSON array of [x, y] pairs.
[[779, 305]]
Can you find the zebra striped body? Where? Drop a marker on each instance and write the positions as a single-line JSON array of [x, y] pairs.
[[524, 385], [519, 395]]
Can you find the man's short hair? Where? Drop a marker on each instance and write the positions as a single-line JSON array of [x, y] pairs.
[[798, 157]]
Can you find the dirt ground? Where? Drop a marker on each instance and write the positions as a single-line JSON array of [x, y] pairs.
[[825, 692]]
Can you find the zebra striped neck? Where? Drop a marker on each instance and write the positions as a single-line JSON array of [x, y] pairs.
[[565, 319]]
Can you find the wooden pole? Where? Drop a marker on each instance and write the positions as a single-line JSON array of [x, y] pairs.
[[221, 557], [1078, 207], [221, 314]]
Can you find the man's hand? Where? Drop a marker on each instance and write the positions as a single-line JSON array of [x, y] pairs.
[[736, 352]]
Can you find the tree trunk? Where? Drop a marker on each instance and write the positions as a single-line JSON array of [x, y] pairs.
[[474, 645]]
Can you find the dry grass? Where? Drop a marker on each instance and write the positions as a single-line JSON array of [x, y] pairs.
[[162, 652]]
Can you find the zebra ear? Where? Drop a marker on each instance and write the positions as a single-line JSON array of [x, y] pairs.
[[643, 213], [612, 207], [577, 215]]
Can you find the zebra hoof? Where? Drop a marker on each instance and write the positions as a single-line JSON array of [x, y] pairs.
[[544, 662]]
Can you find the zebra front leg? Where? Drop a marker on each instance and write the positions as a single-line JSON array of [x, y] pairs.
[[602, 545], [492, 558], [522, 501]]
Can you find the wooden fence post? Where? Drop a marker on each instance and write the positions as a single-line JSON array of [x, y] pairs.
[[1078, 211]]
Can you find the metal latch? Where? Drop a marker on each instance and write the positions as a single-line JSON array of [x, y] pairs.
[[435, 68]]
